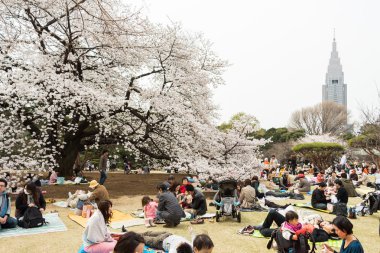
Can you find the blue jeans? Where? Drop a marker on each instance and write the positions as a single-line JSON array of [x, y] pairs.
[[103, 177], [291, 250], [321, 206], [11, 223]]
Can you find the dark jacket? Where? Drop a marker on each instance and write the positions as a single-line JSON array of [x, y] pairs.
[[342, 195], [22, 203], [168, 202], [350, 188], [199, 203], [318, 196]]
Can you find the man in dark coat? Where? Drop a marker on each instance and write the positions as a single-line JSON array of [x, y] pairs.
[[318, 198], [168, 207], [198, 204]]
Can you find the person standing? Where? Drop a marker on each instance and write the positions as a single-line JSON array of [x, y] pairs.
[[103, 166], [343, 161], [6, 221]]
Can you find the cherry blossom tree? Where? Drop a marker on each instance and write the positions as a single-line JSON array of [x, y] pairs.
[[79, 74]]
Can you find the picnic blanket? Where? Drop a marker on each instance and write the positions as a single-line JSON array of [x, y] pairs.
[[118, 220], [54, 224], [151, 250], [330, 242], [308, 206], [364, 190], [60, 203]]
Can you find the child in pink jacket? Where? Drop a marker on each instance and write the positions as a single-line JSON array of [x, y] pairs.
[[150, 210]]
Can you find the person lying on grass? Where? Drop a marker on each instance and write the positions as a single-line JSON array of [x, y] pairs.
[[130, 242], [202, 243], [322, 232]]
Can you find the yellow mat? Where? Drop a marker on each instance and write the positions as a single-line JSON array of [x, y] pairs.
[[116, 217]]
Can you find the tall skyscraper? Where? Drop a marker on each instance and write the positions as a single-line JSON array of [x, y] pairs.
[[335, 89]]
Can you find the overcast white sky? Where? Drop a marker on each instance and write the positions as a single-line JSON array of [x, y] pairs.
[[279, 50]]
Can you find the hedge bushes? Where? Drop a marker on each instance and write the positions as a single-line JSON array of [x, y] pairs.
[[320, 154]]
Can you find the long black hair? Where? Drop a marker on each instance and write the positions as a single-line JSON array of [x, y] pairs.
[[32, 189], [104, 208]]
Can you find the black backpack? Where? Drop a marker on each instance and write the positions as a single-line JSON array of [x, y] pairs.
[[32, 218], [283, 245], [340, 209]]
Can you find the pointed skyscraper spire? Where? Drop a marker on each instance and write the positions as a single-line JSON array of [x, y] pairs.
[[335, 89]]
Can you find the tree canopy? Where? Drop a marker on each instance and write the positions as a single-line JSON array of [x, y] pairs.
[[80, 74]]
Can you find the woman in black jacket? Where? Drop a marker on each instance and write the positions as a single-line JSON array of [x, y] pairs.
[[29, 197]]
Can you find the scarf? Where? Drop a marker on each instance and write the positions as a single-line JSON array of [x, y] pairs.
[[291, 227], [4, 204]]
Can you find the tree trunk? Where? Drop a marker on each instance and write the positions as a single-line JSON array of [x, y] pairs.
[[69, 155]]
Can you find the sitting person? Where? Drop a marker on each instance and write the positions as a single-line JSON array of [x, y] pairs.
[[284, 181], [354, 175], [6, 221], [318, 198], [350, 243], [150, 209], [341, 194], [185, 182], [31, 196], [168, 183], [130, 242], [166, 241], [100, 192], [256, 185], [290, 227], [96, 236], [363, 179], [168, 208], [53, 177], [198, 205], [320, 177], [332, 178], [304, 184], [247, 196]]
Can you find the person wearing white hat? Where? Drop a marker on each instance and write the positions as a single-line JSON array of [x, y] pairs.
[[100, 192]]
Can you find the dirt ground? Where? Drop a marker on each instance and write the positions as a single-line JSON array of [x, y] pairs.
[[126, 192]]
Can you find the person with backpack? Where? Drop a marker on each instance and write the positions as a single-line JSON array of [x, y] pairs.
[[350, 244], [30, 197], [292, 228], [96, 236], [6, 221]]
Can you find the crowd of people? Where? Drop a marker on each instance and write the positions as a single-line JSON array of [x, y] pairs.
[[175, 201]]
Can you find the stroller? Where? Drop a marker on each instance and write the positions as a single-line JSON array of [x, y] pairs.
[[370, 204], [226, 200]]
